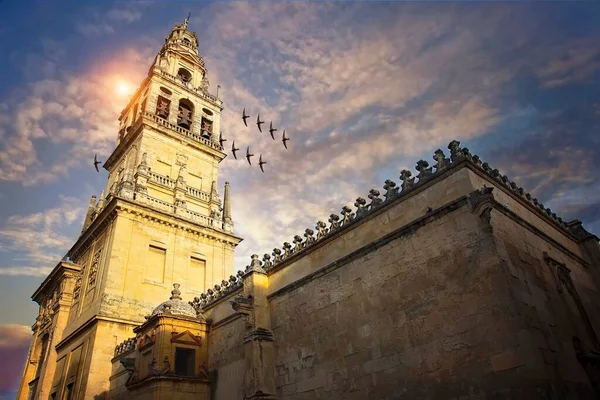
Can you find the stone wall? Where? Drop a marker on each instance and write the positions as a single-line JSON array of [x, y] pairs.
[[422, 316], [226, 355], [436, 297], [550, 316]]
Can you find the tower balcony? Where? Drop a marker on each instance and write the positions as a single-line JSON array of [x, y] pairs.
[[182, 131], [169, 183], [212, 99]]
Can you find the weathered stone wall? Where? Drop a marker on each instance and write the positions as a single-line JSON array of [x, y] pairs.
[[550, 315], [422, 316], [225, 351], [436, 304]]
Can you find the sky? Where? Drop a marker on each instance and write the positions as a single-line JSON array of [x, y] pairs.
[[364, 90]]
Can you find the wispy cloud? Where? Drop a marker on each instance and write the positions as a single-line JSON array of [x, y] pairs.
[[360, 98], [78, 113], [37, 241], [106, 23]]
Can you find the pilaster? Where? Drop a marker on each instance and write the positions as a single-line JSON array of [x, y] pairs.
[[259, 349]]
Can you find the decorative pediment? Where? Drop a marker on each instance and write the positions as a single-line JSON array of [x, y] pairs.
[[186, 337]]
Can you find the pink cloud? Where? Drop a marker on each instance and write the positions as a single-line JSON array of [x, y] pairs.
[[14, 345]]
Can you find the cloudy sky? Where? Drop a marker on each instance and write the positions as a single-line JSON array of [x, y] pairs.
[[364, 89]]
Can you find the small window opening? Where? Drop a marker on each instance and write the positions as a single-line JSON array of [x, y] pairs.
[[163, 107], [207, 127], [184, 75], [185, 361], [69, 392], [186, 113]]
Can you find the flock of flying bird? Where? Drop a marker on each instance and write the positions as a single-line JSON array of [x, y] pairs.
[[284, 139], [248, 154]]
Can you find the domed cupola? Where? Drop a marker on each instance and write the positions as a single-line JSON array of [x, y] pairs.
[[176, 307]]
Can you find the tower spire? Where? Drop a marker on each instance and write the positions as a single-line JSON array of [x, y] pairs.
[[227, 221], [90, 213], [185, 21]]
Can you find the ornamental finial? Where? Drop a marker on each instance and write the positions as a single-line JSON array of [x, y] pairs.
[[175, 293]]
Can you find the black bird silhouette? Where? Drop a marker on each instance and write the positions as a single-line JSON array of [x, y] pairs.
[[221, 140], [260, 163], [96, 162], [284, 140], [245, 117], [248, 155], [259, 122], [233, 149], [271, 130]]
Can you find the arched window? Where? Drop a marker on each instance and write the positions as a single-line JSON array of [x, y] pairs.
[[185, 114], [184, 75], [206, 128], [187, 42], [163, 107]]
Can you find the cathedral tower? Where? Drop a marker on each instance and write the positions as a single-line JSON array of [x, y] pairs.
[[159, 221]]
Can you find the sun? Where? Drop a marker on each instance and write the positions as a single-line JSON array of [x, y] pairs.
[[123, 88]]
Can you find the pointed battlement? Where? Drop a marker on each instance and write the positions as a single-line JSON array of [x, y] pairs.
[[393, 194]]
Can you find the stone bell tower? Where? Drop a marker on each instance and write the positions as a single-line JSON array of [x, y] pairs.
[[159, 221]]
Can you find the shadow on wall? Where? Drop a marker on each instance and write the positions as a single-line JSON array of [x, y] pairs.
[[102, 396]]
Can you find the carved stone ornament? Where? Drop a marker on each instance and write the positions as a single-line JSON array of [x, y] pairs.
[[481, 203], [374, 197], [391, 190], [407, 181], [94, 269], [204, 85], [255, 265], [441, 160], [425, 171]]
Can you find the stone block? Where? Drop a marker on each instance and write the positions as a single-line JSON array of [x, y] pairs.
[[507, 360]]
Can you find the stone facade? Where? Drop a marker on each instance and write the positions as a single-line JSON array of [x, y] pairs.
[[160, 221], [453, 284]]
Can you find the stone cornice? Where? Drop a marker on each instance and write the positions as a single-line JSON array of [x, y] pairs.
[[427, 176], [53, 279], [407, 229], [95, 229], [145, 120], [88, 324], [482, 199], [522, 200], [142, 210]]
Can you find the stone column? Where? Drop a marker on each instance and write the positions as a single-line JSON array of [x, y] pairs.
[[259, 350]]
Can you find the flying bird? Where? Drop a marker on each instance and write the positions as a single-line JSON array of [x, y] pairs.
[[259, 122], [271, 130], [260, 163], [221, 140], [96, 162], [245, 117], [248, 155], [284, 140], [233, 149]]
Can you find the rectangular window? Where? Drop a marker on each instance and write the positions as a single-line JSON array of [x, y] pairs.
[[68, 392], [196, 276], [185, 361], [155, 265]]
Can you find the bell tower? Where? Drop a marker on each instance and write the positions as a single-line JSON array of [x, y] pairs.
[[159, 221]]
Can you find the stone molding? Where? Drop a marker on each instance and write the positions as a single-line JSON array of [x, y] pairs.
[[459, 157]]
